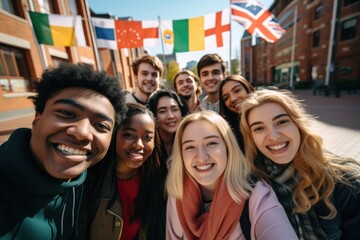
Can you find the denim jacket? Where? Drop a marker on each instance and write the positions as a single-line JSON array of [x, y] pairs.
[[346, 224]]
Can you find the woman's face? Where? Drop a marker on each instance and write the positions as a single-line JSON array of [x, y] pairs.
[[168, 115], [233, 92], [134, 142], [274, 132], [204, 153]]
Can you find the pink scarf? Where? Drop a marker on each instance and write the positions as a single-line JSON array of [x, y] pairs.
[[218, 223]]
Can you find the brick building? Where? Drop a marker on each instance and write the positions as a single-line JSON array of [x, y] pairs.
[[318, 34], [22, 59]]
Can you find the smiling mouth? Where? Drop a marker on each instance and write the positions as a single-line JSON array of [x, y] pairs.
[[278, 147], [204, 167], [71, 151]]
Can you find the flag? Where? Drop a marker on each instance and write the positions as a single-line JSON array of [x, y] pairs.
[[217, 29], [199, 33], [58, 30], [105, 33], [256, 19], [133, 34]]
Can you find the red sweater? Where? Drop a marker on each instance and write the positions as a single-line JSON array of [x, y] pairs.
[[128, 190]]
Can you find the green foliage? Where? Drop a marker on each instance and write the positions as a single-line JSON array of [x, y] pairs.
[[235, 66], [172, 70]]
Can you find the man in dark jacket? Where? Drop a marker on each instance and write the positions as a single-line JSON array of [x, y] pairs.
[[42, 169]]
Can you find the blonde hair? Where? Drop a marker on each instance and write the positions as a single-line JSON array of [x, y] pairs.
[[237, 170], [318, 171]]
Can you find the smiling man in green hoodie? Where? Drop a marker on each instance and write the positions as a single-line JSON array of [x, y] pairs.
[[42, 170]]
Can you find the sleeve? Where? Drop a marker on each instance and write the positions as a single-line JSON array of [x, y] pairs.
[[348, 206], [173, 226], [267, 216]]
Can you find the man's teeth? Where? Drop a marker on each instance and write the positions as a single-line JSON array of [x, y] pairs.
[[69, 150], [204, 167], [277, 147]]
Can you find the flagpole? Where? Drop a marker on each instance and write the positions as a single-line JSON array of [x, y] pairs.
[[39, 47], [97, 58], [293, 50], [329, 64], [162, 47], [230, 39]]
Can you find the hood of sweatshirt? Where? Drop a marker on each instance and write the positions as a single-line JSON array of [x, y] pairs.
[[18, 166]]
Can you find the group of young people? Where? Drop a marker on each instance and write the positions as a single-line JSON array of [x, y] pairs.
[[240, 163]]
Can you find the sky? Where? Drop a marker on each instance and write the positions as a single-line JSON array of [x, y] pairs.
[[173, 10]]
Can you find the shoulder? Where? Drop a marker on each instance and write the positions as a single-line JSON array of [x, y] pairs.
[[262, 198], [267, 216], [204, 101], [130, 98], [174, 229]]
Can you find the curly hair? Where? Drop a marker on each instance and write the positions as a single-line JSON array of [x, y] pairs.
[[152, 60], [318, 170], [82, 75]]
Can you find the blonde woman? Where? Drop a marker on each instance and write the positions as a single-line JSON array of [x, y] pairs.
[[320, 192], [208, 185]]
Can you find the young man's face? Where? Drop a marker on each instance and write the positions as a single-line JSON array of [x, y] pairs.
[[147, 78], [73, 132], [185, 85], [210, 77]]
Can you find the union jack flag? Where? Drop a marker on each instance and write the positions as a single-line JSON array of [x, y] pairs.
[[252, 15]]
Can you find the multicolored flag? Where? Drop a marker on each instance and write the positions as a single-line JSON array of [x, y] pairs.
[[133, 34], [116, 34], [256, 19], [105, 33], [195, 34], [58, 30]]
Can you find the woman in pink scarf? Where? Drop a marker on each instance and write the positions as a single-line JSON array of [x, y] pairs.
[[208, 184]]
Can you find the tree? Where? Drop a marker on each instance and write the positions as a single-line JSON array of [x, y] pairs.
[[235, 66], [172, 70]]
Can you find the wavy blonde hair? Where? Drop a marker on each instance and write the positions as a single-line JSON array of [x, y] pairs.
[[237, 170], [318, 171]]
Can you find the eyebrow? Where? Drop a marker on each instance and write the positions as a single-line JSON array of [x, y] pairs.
[[207, 137], [81, 107], [135, 129], [274, 118]]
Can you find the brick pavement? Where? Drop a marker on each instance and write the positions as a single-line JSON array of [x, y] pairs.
[[337, 121]]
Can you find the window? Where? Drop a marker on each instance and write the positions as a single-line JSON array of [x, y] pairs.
[[316, 38], [56, 61], [349, 2], [246, 60], [348, 29], [318, 11], [73, 7], [10, 6], [14, 73], [46, 6]]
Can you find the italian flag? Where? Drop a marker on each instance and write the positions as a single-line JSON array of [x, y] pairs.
[[58, 30]]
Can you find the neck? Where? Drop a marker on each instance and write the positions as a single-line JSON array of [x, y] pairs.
[[141, 96], [123, 172], [192, 102], [207, 193], [168, 140], [213, 97]]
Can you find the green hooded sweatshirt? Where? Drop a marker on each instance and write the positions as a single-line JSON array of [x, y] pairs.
[[33, 204]]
